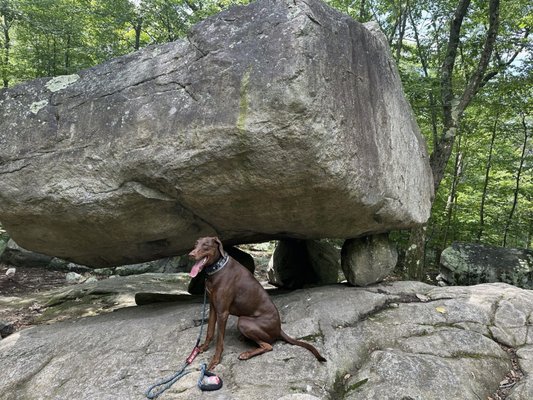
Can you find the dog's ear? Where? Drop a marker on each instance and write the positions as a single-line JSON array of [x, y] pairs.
[[220, 247]]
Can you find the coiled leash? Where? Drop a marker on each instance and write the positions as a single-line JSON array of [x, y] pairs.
[[208, 381]]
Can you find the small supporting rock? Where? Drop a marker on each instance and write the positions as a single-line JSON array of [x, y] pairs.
[[296, 263], [368, 260]]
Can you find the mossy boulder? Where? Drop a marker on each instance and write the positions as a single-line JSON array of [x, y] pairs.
[[471, 263]]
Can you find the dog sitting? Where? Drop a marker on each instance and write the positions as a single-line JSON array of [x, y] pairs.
[[233, 290]]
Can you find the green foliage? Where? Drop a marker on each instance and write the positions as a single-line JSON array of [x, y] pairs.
[[500, 109], [58, 37]]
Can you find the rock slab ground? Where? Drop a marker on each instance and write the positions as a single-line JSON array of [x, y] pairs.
[[402, 340]]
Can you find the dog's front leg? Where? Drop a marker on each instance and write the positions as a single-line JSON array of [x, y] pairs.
[[210, 328], [222, 319]]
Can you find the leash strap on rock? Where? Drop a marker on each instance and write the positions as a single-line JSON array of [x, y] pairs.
[[208, 381], [166, 383]]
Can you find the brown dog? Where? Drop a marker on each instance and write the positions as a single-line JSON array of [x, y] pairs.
[[234, 290]]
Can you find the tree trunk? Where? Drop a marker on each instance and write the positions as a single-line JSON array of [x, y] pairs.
[[67, 54], [5, 56], [424, 61], [415, 254], [7, 18], [137, 26], [517, 185], [529, 238], [488, 166], [363, 16], [402, 22], [452, 197]]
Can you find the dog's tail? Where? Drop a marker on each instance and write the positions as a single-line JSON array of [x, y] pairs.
[[309, 347]]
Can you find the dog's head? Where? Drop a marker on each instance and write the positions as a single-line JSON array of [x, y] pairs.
[[207, 251]]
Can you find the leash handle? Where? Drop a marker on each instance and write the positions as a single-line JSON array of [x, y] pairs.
[[208, 380], [193, 355]]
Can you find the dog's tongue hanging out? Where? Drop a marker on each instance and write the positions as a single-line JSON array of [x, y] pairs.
[[196, 268]]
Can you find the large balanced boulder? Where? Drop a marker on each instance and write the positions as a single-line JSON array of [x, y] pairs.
[[278, 119]]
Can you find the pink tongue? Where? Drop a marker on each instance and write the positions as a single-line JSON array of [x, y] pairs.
[[196, 268]]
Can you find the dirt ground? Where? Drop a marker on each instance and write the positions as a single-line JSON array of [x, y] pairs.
[[29, 280], [26, 282]]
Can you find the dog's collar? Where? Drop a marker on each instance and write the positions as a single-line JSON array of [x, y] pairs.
[[221, 263]]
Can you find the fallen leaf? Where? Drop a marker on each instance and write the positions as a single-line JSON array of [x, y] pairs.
[[441, 309]]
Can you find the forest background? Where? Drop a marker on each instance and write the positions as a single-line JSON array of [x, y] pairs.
[[466, 67]]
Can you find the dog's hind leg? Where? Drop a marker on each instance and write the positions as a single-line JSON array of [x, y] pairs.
[[264, 347], [251, 329]]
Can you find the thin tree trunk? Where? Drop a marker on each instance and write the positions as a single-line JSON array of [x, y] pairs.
[[67, 54], [362, 11], [415, 254], [517, 185], [423, 60], [5, 56], [401, 30], [137, 26], [488, 166], [529, 238], [7, 18], [452, 197], [192, 5]]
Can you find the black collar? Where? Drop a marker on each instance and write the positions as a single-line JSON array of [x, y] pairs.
[[221, 263]]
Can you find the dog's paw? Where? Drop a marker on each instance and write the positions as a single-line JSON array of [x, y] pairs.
[[244, 356], [203, 348], [212, 365]]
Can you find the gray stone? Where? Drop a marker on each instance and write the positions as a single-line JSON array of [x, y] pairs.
[[296, 263], [279, 119], [438, 348], [15, 255], [368, 260], [164, 265], [74, 277], [104, 271], [3, 241], [57, 264], [6, 329], [289, 266], [325, 260], [472, 263]]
